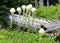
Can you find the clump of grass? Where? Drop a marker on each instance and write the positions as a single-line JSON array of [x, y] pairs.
[[16, 37]]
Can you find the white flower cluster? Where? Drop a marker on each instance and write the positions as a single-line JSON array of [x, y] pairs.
[[24, 7], [29, 6], [19, 9], [12, 10], [41, 31], [33, 9]]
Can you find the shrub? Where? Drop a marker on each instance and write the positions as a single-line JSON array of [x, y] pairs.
[[51, 12]]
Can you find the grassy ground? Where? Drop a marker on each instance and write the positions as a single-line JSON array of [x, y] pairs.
[[17, 37]]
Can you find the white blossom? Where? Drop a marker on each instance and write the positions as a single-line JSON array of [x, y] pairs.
[[29, 6], [19, 9], [23, 7], [41, 31], [12, 10], [33, 9]]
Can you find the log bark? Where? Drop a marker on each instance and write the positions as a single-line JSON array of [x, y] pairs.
[[49, 25]]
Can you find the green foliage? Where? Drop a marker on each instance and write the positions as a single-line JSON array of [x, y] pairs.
[[16, 37], [10, 3], [51, 12]]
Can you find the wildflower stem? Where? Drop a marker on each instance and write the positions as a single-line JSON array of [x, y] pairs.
[[11, 22], [19, 21], [24, 12]]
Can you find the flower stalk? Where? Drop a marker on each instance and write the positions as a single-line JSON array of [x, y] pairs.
[[33, 10], [19, 11], [12, 10], [23, 8], [29, 11]]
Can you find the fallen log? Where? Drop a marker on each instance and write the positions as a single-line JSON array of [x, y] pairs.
[[24, 21], [37, 23]]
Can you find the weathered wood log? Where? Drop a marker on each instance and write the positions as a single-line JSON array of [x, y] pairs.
[[37, 23], [24, 21], [52, 26]]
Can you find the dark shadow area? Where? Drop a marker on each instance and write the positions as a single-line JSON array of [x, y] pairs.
[[45, 2], [57, 38], [53, 2], [42, 26]]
